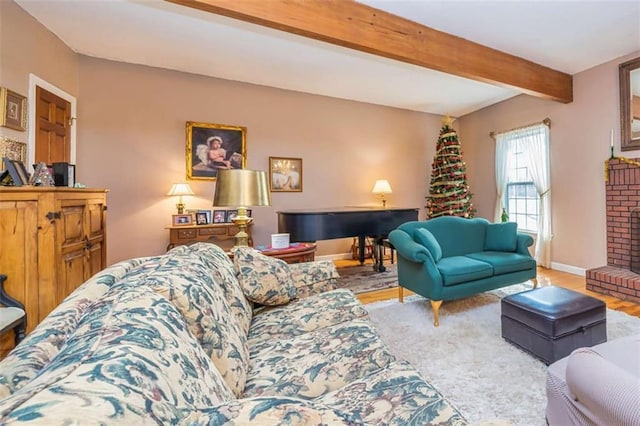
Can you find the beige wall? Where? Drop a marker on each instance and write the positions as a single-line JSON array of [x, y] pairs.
[[132, 141], [27, 47], [579, 145]]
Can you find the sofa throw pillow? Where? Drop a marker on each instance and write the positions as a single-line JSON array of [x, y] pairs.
[[264, 279], [501, 236], [426, 238]]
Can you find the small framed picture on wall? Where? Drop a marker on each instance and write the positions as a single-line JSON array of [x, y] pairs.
[[285, 174]]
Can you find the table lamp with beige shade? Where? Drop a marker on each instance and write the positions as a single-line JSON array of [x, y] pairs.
[[180, 189], [241, 188], [382, 188]]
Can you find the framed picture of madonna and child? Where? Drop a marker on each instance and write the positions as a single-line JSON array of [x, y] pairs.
[[211, 147]]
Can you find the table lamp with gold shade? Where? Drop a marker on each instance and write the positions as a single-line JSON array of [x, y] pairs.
[[241, 188]]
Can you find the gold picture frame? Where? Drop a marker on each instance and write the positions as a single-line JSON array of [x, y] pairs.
[[12, 149], [205, 140], [285, 174], [13, 110]]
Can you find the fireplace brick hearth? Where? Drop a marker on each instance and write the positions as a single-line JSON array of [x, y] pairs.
[[623, 235]]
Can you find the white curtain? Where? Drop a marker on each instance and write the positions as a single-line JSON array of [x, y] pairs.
[[504, 148], [536, 156]]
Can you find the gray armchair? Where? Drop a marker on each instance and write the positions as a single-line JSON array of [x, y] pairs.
[[596, 386]]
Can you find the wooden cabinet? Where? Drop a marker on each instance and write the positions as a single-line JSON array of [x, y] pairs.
[[218, 233], [51, 241]]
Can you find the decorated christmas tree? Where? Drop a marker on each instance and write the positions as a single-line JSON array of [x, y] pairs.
[[449, 193]]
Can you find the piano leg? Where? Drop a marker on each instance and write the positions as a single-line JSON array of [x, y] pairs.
[[378, 255], [361, 248]]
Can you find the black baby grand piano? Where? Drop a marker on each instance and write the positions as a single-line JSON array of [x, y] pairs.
[[327, 224]]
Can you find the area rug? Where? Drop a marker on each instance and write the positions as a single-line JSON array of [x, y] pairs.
[[486, 378], [361, 279]]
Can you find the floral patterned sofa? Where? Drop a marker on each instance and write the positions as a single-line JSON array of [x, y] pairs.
[[175, 339]]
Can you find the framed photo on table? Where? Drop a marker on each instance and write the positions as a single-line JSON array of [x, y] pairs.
[[182, 219], [203, 217], [211, 147], [13, 110], [219, 216], [231, 214], [285, 174], [17, 171]]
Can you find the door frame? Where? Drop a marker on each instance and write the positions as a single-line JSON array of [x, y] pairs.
[[34, 81]]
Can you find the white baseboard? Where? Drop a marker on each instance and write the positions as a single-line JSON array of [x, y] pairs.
[[336, 256], [569, 268]]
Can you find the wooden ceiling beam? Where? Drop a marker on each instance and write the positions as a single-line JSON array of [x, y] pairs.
[[361, 27]]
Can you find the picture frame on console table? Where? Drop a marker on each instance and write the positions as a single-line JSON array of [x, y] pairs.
[[182, 219], [211, 147], [17, 171], [219, 216], [285, 174]]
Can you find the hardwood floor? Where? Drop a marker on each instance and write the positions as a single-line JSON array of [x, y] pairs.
[[546, 277]]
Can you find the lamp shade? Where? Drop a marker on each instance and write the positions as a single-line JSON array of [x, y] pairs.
[[181, 189], [241, 187], [381, 187]]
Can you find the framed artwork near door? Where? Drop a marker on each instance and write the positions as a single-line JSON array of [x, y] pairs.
[[13, 110]]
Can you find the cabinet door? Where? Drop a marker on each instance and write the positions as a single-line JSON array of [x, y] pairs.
[[19, 254], [72, 245], [95, 233]]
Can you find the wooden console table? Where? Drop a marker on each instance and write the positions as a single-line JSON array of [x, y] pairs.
[[218, 233], [295, 253]]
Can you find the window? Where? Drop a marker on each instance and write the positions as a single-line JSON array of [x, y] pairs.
[[521, 197], [523, 183]]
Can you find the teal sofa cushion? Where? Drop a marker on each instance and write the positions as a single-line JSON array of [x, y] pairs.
[[505, 262], [426, 238], [501, 236], [460, 269]]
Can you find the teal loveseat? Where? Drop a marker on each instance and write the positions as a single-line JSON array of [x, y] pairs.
[[450, 257]]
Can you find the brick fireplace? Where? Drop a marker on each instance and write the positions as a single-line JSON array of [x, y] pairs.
[[618, 278]]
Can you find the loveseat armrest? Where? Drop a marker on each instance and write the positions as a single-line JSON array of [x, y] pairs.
[[523, 242], [311, 278], [270, 410], [607, 392], [408, 248]]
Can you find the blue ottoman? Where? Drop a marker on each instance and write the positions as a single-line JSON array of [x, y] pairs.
[[550, 322]]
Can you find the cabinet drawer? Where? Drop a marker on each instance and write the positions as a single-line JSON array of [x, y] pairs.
[[212, 231], [186, 233]]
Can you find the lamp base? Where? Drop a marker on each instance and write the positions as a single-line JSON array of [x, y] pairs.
[[180, 207], [241, 239]]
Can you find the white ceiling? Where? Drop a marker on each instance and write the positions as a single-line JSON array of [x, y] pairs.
[[568, 36]]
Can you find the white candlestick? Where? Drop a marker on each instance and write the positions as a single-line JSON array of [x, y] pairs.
[[611, 138]]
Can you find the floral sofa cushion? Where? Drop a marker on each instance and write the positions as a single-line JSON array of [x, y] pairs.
[[270, 411], [313, 277], [265, 280], [305, 315], [224, 275], [315, 363], [187, 282], [396, 395], [45, 341], [131, 360]]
